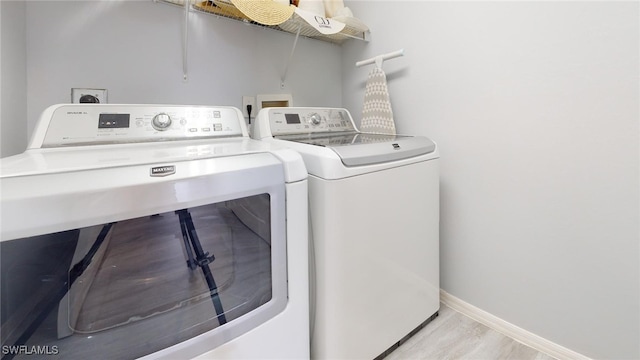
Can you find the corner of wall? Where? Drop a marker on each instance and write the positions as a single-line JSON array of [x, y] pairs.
[[13, 78]]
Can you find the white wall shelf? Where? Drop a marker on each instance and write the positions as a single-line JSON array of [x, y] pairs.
[[229, 11], [295, 25]]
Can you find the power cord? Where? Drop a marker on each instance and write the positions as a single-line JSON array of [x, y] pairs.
[[249, 107]]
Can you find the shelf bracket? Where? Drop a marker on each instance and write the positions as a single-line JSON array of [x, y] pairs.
[[293, 49], [185, 39]]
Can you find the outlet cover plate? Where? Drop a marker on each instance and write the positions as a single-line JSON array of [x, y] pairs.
[[77, 93]]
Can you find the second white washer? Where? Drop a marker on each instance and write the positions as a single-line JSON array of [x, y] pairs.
[[374, 208]]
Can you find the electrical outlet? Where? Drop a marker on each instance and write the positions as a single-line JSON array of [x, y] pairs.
[[88, 95], [249, 100]]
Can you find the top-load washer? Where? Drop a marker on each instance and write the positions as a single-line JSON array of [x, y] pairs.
[[155, 231], [374, 221]]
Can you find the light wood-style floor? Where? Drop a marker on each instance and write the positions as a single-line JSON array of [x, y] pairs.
[[452, 335]]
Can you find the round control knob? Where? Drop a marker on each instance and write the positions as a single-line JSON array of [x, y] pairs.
[[161, 122], [315, 119]]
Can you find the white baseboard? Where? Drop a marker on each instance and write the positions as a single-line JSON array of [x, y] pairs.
[[523, 336]]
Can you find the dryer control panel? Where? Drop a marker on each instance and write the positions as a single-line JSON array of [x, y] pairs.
[[96, 124], [288, 121]]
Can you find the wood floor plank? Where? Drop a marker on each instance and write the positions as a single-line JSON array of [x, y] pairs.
[[455, 336]]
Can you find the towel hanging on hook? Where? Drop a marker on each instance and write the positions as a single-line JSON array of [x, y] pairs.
[[377, 115]]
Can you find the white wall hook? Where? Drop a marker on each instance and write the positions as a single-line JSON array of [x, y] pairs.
[[378, 60]]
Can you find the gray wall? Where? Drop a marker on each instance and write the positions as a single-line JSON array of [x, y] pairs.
[[134, 49], [535, 108], [13, 81]]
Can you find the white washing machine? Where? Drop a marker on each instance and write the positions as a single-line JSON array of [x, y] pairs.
[[374, 215], [131, 231]]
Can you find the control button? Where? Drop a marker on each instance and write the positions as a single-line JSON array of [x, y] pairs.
[[216, 114], [161, 121], [193, 129], [315, 119], [206, 129]]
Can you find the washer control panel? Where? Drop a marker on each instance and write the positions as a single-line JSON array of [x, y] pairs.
[[93, 124], [287, 121]]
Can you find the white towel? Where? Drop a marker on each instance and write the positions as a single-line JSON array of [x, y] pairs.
[[377, 116]]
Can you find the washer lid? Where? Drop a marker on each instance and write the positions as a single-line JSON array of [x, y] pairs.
[[356, 149]]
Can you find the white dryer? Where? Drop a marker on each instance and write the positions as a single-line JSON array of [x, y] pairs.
[[374, 215], [129, 231]]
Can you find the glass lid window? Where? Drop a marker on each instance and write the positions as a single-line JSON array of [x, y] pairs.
[[136, 286]]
